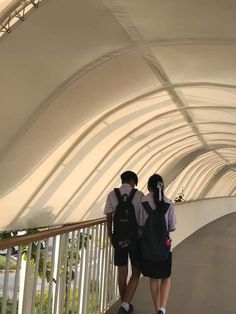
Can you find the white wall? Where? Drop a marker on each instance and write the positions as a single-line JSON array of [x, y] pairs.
[[191, 216]]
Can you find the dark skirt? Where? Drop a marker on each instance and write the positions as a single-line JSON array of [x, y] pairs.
[[157, 270]]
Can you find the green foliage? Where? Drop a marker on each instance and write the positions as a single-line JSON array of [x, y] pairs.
[[93, 302], [7, 235], [180, 197], [45, 300], [34, 257], [9, 307], [3, 263], [74, 248]]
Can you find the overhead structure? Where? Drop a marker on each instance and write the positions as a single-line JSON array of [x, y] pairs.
[[92, 88]]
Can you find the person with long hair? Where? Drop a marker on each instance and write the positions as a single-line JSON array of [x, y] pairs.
[[158, 271]]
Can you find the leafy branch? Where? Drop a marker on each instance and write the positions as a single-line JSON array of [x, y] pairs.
[[180, 197]]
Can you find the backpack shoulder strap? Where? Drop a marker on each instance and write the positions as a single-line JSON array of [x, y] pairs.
[[131, 195], [148, 208], [118, 195], [166, 205]]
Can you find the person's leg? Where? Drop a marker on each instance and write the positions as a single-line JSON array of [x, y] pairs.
[[164, 292], [135, 259], [132, 285], [154, 288], [121, 261], [165, 283], [122, 280]]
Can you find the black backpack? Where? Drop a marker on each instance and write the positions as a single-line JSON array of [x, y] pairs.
[[155, 241], [125, 227]]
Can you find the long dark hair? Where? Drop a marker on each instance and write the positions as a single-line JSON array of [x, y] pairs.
[[156, 183]]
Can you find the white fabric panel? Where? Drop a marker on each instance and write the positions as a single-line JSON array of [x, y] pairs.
[[214, 114], [210, 96], [49, 68], [44, 67], [75, 105], [88, 155], [157, 19], [197, 63]]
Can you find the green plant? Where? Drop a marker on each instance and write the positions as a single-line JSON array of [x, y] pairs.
[[73, 251], [3, 263], [93, 306], [9, 306], [180, 197], [44, 301], [75, 246], [7, 235]]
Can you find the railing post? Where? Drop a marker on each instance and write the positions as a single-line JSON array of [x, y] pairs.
[[80, 267], [26, 284], [6, 278], [57, 274]]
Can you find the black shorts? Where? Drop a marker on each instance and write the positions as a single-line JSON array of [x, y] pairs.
[[122, 255]]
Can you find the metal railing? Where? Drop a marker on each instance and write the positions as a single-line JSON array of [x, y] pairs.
[[15, 11], [63, 270]]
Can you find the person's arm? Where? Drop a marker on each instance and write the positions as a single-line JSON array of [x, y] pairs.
[[171, 218], [108, 211], [139, 210], [109, 226], [142, 216]]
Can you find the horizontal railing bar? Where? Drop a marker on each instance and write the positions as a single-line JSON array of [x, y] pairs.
[[24, 239]]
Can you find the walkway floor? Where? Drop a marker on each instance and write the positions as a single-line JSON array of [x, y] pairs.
[[204, 273]]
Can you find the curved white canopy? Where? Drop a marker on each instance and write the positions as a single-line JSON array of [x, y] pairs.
[[92, 88]]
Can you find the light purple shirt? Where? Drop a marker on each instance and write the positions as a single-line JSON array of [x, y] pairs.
[[170, 216]]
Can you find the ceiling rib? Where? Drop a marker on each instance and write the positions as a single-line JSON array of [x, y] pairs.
[[215, 179], [153, 63]]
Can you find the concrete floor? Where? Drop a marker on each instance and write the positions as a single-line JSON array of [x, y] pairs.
[[204, 273]]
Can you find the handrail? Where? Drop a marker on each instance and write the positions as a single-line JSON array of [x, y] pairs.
[[75, 266], [25, 239], [204, 199]]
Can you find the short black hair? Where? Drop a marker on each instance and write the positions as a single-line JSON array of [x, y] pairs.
[[129, 175]]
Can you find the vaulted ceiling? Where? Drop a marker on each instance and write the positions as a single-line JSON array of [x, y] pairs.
[[92, 88]]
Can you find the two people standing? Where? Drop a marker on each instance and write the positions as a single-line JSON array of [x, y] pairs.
[[148, 214]]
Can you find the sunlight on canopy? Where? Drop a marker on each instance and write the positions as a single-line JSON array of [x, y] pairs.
[[115, 85]]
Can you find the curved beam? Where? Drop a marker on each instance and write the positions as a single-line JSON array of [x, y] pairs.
[[74, 146], [172, 173], [214, 179], [115, 176], [44, 105], [176, 168], [118, 153], [80, 73], [108, 183], [197, 176]]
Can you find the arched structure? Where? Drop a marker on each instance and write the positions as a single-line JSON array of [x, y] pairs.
[[91, 88]]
